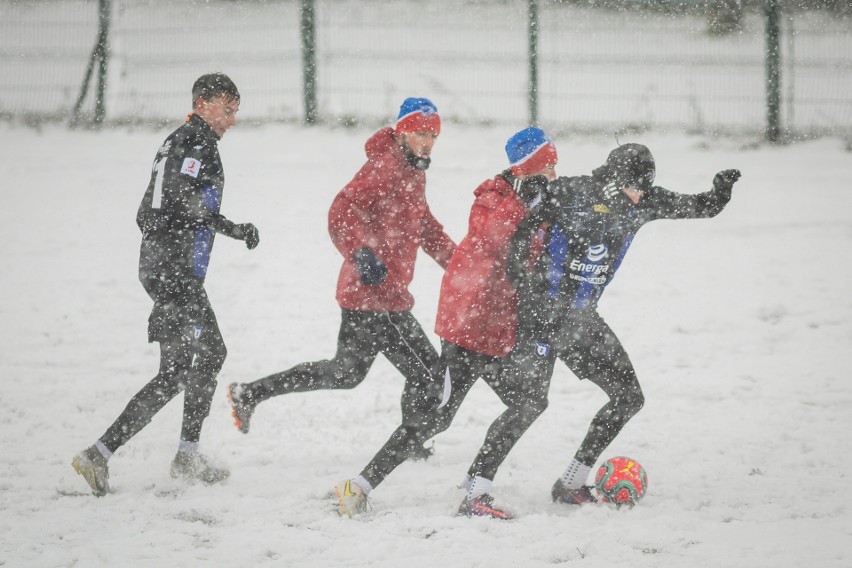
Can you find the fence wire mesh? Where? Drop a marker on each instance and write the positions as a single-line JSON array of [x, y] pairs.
[[598, 68]]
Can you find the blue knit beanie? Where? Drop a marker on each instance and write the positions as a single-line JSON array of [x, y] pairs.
[[530, 151]]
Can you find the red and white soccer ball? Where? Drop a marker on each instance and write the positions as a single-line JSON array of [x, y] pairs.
[[621, 481]]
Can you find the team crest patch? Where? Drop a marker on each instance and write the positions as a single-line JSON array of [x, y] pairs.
[[196, 331], [597, 252], [191, 167], [542, 349]]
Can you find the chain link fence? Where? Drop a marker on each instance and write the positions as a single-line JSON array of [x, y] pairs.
[[600, 66]]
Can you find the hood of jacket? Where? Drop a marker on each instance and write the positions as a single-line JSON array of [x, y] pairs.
[[383, 142]]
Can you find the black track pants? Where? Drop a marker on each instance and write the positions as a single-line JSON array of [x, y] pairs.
[[190, 360], [590, 349], [362, 336], [461, 369]]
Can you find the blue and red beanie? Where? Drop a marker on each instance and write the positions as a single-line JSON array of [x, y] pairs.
[[530, 151], [418, 115]]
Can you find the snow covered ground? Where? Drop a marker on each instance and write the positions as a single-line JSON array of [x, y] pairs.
[[739, 328]]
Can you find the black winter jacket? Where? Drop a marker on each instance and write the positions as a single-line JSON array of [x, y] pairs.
[[587, 228], [179, 213]]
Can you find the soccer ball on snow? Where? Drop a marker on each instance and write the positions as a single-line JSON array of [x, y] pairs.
[[621, 481]]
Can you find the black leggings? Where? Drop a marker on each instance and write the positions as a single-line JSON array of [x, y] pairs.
[[190, 360], [460, 370], [362, 336], [586, 344]]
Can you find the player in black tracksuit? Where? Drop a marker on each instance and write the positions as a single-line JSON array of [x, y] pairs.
[[588, 224], [179, 218]]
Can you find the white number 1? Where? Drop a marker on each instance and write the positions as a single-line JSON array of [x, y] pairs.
[[160, 168]]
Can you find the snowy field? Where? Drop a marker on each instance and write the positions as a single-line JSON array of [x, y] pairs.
[[739, 328]]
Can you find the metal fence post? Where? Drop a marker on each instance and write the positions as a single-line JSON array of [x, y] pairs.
[[309, 64], [103, 51], [532, 12], [773, 71], [100, 53]]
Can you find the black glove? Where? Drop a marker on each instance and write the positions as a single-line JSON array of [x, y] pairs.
[[370, 267], [724, 180], [530, 188], [244, 231], [248, 233]]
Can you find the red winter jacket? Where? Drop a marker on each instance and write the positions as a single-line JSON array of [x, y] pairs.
[[384, 208], [478, 308]]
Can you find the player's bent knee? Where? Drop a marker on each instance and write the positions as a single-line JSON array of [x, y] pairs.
[[635, 400], [531, 409]]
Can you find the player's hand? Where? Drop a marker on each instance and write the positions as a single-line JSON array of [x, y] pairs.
[[371, 269], [249, 234], [530, 188], [724, 180]]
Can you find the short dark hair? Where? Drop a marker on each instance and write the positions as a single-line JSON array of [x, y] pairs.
[[213, 85]]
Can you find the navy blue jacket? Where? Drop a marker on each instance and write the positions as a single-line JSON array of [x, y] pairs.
[[179, 214], [587, 227]]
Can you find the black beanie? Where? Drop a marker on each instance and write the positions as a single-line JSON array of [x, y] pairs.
[[629, 165]]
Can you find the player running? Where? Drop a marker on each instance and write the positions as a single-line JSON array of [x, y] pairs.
[[179, 218], [377, 222], [590, 223]]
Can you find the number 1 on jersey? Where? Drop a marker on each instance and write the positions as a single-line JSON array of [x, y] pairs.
[[160, 168]]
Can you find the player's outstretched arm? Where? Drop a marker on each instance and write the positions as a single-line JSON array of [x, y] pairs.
[[671, 205]]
